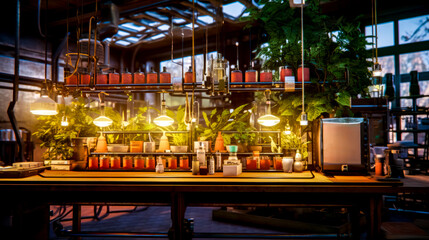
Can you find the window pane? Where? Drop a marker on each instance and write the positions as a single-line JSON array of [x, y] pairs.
[[405, 91], [385, 35], [414, 29], [418, 61]]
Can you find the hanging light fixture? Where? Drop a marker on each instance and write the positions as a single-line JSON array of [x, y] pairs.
[[163, 120], [376, 71], [287, 130], [102, 121], [268, 120], [64, 121], [44, 105], [303, 121]]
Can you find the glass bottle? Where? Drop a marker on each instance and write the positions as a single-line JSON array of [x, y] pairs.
[[414, 86], [285, 71], [251, 75], [127, 78], [195, 166], [298, 165], [218, 160], [84, 76], [114, 78], [306, 74], [236, 76], [139, 77], [390, 91], [152, 77], [212, 166], [201, 155], [164, 77], [189, 77], [159, 166], [101, 78]]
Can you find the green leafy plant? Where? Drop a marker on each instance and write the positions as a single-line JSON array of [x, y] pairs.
[[56, 138], [222, 121], [179, 139], [333, 46], [140, 123]]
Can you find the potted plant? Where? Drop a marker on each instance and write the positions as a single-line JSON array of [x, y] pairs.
[[221, 121], [57, 139], [244, 137], [179, 140]]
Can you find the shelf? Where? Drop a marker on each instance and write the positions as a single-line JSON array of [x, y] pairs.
[[166, 153], [410, 130], [138, 153], [140, 132], [411, 97]]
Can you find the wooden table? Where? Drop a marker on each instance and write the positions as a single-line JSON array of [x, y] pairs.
[[181, 189]]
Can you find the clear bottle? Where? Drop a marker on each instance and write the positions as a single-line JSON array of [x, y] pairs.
[[212, 166], [195, 166], [201, 155], [218, 160], [159, 166], [298, 165]]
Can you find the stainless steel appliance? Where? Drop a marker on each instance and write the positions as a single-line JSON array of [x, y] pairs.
[[343, 145]]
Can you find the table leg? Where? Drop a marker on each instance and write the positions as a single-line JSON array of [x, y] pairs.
[[178, 209], [76, 220], [375, 207], [355, 222]]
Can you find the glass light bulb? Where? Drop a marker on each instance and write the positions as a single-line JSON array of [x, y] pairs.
[[377, 70], [304, 121], [44, 106], [102, 121], [163, 121], [268, 120]]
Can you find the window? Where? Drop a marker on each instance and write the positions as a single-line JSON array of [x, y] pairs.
[[414, 29], [385, 35], [418, 61]]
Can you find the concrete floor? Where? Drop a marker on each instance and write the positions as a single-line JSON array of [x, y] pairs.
[[155, 219]]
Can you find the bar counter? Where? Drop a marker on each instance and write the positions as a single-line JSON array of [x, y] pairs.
[[182, 189]]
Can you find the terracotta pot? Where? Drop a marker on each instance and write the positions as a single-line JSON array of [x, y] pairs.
[[255, 148], [242, 147]]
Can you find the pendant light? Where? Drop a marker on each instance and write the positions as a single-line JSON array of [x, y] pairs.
[[163, 120], [268, 120], [376, 71], [303, 121], [44, 105], [102, 121], [287, 130], [64, 121]]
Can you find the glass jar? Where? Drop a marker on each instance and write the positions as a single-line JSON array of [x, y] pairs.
[[127, 78], [85, 78], [266, 76], [251, 163], [152, 78], [101, 78], [236, 77], [278, 164], [164, 77], [127, 162], [287, 163], [172, 163], [114, 78], [93, 163], [265, 163], [139, 78], [285, 71], [306, 74], [104, 162], [189, 76], [115, 162], [184, 163], [150, 163], [139, 162], [251, 75]]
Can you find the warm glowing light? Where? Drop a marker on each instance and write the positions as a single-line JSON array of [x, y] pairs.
[[304, 121], [268, 120], [64, 122], [287, 129], [44, 106], [163, 121], [377, 70], [102, 121]]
